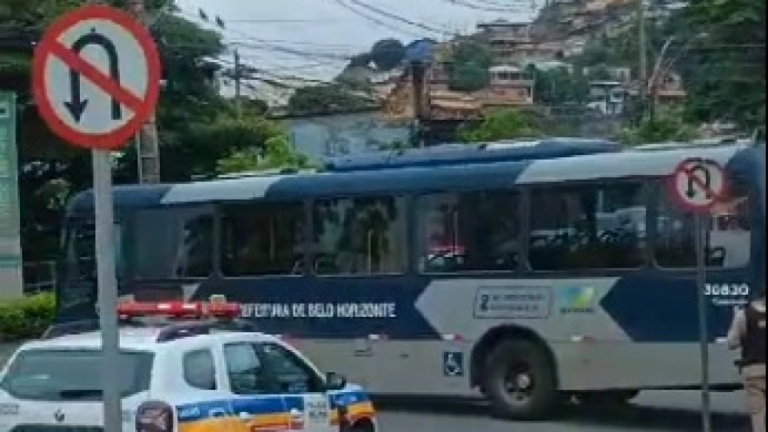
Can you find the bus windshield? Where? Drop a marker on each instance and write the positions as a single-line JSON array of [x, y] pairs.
[[77, 269], [80, 250]]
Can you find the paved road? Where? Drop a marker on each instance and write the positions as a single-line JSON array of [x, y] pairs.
[[651, 412]]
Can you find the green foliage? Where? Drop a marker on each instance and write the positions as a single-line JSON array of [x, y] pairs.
[[196, 126], [725, 66], [469, 77], [387, 54], [468, 69], [663, 128], [360, 60], [207, 143], [325, 99], [27, 317], [276, 154], [559, 86], [502, 124]]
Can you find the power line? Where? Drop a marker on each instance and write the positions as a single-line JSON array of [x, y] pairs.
[[276, 20], [399, 18], [375, 20], [486, 7]]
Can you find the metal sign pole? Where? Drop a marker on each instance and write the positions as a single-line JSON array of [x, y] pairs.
[[134, 87], [701, 277], [107, 286]]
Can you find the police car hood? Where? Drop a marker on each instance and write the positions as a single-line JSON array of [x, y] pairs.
[[58, 388], [22, 415]]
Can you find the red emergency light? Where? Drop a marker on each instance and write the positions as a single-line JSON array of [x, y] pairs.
[[178, 309]]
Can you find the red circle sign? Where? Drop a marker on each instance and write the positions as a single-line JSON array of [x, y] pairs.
[[96, 77], [698, 184]]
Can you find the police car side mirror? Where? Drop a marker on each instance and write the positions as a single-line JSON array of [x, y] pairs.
[[334, 381]]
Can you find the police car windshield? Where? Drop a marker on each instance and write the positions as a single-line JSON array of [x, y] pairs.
[[69, 375]]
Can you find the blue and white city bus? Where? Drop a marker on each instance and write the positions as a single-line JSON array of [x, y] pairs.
[[520, 272]]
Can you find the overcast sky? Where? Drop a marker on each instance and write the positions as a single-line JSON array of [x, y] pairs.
[[326, 28]]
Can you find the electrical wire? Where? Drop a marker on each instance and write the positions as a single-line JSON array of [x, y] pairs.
[[376, 21], [395, 17], [485, 7]]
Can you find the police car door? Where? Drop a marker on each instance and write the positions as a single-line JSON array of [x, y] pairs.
[[303, 390], [255, 400]]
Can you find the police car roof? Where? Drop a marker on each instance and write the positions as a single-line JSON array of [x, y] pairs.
[[142, 339]]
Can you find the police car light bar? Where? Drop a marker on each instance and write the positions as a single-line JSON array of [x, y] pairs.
[[177, 309]]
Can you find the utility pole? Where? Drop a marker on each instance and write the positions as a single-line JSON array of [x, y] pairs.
[[147, 143], [238, 91], [643, 60], [418, 72]]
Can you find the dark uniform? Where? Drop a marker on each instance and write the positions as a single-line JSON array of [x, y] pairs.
[[748, 332]]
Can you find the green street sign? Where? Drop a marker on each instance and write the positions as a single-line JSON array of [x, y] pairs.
[[9, 184]]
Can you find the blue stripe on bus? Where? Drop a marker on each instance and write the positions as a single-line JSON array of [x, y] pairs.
[[653, 306]]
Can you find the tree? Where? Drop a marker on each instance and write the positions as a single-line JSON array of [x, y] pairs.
[[502, 124], [469, 77], [723, 62], [387, 54], [326, 98], [665, 127], [196, 125], [468, 70], [559, 86], [275, 154]]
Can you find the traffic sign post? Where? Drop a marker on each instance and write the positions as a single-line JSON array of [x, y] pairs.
[[96, 79], [697, 185]]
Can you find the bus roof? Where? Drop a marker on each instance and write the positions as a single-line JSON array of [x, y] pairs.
[[419, 179], [460, 154]]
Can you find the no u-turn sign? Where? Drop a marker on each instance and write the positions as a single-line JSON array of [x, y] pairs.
[[96, 77]]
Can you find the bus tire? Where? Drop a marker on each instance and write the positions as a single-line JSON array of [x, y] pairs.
[[519, 380]]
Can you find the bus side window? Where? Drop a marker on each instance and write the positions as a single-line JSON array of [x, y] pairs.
[[471, 231], [359, 236], [728, 234], [263, 239], [173, 243], [587, 227]]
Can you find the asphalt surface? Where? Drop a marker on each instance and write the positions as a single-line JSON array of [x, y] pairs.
[[651, 411]]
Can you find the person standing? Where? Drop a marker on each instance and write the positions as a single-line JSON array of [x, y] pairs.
[[748, 333]]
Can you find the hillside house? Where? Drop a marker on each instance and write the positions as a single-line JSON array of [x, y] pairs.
[[505, 38], [509, 86], [607, 97]]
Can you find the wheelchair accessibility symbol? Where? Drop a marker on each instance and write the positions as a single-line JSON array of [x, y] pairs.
[[453, 364]]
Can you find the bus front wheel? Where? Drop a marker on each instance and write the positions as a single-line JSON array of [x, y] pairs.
[[519, 380]]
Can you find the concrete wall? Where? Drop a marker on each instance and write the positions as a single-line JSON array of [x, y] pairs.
[[324, 136]]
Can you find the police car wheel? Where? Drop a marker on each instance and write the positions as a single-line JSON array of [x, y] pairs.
[[519, 380]]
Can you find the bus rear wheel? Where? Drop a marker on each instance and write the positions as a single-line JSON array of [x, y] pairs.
[[519, 380]]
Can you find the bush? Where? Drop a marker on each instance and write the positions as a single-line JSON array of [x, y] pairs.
[[26, 318]]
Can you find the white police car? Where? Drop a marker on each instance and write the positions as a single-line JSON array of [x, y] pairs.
[[203, 371]]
